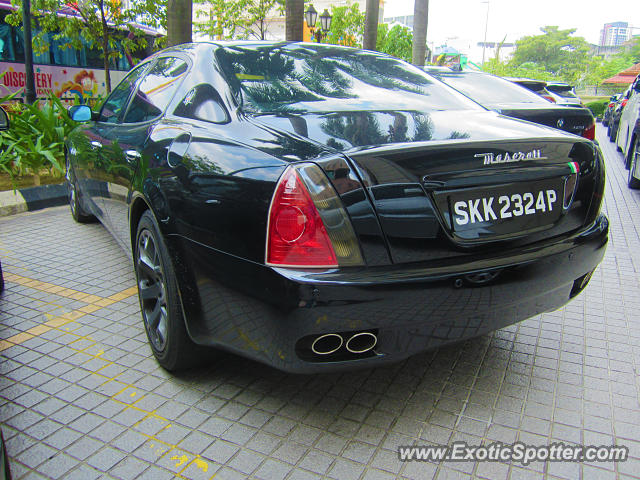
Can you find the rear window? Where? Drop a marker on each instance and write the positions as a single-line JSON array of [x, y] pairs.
[[487, 89], [565, 91], [309, 78]]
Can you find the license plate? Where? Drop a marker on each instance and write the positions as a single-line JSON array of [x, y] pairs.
[[504, 210]]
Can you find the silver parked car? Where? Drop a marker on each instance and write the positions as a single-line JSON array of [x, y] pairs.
[[563, 94], [628, 138]]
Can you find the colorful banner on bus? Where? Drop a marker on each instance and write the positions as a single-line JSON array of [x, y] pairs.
[[68, 83]]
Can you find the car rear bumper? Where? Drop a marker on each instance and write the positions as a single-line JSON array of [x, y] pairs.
[[271, 315]]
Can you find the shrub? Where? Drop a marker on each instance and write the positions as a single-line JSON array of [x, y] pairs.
[[35, 139], [597, 107]]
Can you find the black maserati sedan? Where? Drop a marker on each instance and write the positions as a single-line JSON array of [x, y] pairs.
[[317, 208], [513, 99]]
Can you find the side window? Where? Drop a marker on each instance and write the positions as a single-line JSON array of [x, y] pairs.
[[156, 90], [115, 103]]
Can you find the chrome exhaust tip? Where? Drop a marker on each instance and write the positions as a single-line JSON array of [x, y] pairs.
[[327, 344], [361, 342]]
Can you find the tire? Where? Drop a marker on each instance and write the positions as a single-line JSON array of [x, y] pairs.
[[1, 279], [609, 131], [159, 300], [78, 212], [614, 134], [633, 182]]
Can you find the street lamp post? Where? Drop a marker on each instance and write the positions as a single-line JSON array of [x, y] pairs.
[[486, 26], [311, 17]]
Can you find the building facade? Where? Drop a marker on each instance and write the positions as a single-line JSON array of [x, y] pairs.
[[614, 34]]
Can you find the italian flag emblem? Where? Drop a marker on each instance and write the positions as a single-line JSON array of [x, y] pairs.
[[574, 166]]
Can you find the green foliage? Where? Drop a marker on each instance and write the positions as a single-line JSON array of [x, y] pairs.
[[396, 41], [98, 24], [525, 70], [35, 139], [573, 67], [236, 19], [634, 51], [347, 26], [555, 51], [601, 69], [554, 55], [597, 107]]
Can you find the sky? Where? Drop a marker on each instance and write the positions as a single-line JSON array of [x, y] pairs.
[[461, 23]]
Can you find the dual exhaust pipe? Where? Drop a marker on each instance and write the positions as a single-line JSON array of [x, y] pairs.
[[330, 343]]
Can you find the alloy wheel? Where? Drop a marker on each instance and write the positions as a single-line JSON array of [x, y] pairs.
[[152, 290]]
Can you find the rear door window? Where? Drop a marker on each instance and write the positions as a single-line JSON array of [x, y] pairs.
[[113, 107], [156, 90]]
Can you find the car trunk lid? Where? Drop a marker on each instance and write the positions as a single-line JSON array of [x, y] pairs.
[[452, 199]]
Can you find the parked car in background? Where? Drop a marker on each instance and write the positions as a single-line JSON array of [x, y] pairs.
[[614, 119], [563, 94], [539, 87], [511, 99], [606, 116], [629, 127], [317, 207]]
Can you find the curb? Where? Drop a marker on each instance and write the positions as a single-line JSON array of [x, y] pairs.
[[32, 198]]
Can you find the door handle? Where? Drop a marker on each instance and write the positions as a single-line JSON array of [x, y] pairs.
[[95, 144], [132, 155]]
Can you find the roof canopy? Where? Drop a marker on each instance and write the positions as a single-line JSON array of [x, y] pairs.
[[625, 77]]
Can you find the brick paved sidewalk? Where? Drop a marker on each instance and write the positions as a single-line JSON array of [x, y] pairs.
[[81, 397]]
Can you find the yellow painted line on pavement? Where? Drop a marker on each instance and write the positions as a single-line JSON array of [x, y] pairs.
[[94, 303], [55, 289], [182, 459]]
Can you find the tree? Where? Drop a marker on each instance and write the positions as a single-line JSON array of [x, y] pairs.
[[396, 41], [223, 19], [179, 21], [96, 23], [420, 21], [371, 24], [244, 19], [294, 18], [555, 51], [634, 51], [347, 26], [257, 12]]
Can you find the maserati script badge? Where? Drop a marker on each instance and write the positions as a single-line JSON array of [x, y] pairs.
[[491, 158]]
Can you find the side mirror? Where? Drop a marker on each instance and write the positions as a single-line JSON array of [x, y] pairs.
[[636, 87], [4, 120], [80, 113]]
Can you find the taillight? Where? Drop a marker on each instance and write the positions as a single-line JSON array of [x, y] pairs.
[[611, 105], [590, 132], [624, 102], [551, 99], [308, 226]]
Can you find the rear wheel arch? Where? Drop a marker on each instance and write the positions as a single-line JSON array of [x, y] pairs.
[[159, 296], [137, 209], [139, 206]]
